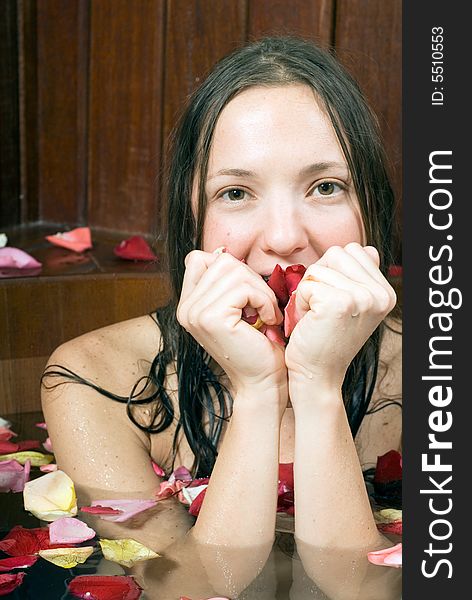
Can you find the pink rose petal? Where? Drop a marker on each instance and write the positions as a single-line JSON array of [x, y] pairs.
[[181, 473], [157, 469], [48, 468], [47, 445], [42, 425], [6, 434], [388, 557], [77, 240], [13, 476], [69, 530]]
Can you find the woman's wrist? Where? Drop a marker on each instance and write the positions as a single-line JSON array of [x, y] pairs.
[[312, 393]]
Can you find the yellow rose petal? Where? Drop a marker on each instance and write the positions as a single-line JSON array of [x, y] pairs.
[[37, 459], [388, 515], [126, 552], [51, 496], [67, 558]]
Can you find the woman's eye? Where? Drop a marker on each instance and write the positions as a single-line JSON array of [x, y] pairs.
[[234, 194], [327, 188]]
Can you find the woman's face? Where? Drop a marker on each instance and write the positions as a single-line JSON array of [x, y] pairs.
[[278, 186]]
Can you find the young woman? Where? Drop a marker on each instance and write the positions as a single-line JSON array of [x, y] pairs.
[[278, 160]]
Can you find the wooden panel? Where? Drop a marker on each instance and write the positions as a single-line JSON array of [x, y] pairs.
[[198, 34], [125, 113], [62, 64], [369, 43], [308, 18], [9, 117], [28, 84]]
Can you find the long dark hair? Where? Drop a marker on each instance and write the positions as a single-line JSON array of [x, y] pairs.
[[276, 61]]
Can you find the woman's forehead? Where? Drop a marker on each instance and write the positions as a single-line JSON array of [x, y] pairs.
[[273, 123]]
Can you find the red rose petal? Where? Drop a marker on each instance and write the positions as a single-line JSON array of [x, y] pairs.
[[134, 248], [293, 276], [277, 284], [389, 467], [291, 317], [9, 582], [8, 447], [196, 505], [17, 562], [101, 510], [22, 542], [395, 527], [105, 587], [28, 445]]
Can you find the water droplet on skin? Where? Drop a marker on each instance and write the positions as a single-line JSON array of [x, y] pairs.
[[310, 375], [226, 356]]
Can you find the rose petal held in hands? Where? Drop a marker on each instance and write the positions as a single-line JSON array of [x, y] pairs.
[[129, 508], [70, 530], [14, 258], [77, 240], [17, 562], [389, 467], [104, 587], [67, 558], [23, 542], [9, 582], [126, 552], [134, 248], [13, 476], [51, 496], [36, 458], [388, 557]]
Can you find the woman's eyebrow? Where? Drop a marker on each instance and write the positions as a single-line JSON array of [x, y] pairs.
[[312, 169]]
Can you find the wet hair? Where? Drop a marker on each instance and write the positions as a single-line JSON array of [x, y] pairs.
[[203, 402]]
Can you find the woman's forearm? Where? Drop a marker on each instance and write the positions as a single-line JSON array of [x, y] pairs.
[[332, 507], [239, 509]]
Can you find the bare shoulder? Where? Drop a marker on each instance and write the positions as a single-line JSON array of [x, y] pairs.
[[93, 438], [112, 356]]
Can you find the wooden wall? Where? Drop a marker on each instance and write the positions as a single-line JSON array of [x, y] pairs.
[[101, 83]]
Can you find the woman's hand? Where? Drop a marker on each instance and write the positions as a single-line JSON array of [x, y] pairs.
[[341, 300], [215, 290]]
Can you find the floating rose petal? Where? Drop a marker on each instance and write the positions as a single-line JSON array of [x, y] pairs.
[[69, 531], [28, 445], [126, 552], [22, 542], [6, 434], [67, 558], [396, 527], [388, 467], [105, 587], [5, 423], [188, 494], [9, 582], [134, 248], [101, 510], [129, 508], [196, 505], [47, 445], [51, 496], [14, 258], [395, 271], [48, 468], [42, 425], [13, 476], [180, 474], [168, 489], [389, 557], [36, 458], [158, 470], [8, 447], [77, 240], [3, 240], [17, 562]]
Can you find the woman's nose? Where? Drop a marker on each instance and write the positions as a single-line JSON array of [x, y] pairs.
[[285, 232]]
